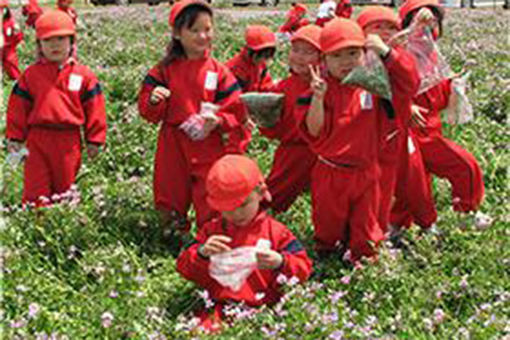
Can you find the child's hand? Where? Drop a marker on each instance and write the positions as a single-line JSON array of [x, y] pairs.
[[92, 150], [14, 146], [417, 115], [269, 259], [158, 94], [215, 244], [376, 44], [318, 84], [424, 17], [400, 38]]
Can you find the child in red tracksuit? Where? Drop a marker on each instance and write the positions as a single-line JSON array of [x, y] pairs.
[[249, 65], [295, 19], [32, 12], [65, 6], [12, 36], [441, 156], [235, 186], [196, 99], [293, 160], [393, 126], [50, 102], [340, 122], [343, 9]]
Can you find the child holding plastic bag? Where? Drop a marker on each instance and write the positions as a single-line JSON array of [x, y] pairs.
[[340, 123], [51, 101], [441, 156], [250, 65], [393, 126], [196, 99], [295, 19], [239, 256], [293, 160]]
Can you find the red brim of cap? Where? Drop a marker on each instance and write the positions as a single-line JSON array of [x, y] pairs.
[[225, 205], [57, 33], [310, 41], [265, 45], [344, 44]]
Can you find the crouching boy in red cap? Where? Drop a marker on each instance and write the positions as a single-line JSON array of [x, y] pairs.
[[235, 186]]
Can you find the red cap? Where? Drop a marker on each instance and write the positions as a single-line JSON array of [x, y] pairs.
[[258, 37], [300, 8], [372, 14], [53, 23], [410, 5], [339, 33], [310, 33], [181, 5], [231, 180]]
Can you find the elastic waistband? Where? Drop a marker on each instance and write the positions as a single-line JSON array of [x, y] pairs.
[[335, 164], [62, 127]]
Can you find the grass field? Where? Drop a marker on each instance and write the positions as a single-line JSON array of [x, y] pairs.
[[96, 269]]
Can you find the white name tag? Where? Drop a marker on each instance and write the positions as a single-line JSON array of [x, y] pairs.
[[75, 81], [410, 146], [263, 244], [366, 101], [211, 81], [8, 32]]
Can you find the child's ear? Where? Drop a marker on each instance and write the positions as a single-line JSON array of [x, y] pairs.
[[265, 193]]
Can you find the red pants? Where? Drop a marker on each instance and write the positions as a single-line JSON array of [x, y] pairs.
[[10, 63], [345, 206], [53, 161], [290, 174], [413, 192], [389, 158], [179, 179], [446, 159], [387, 183]]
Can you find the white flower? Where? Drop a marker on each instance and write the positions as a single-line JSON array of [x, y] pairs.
[[482, 221], [106, 319], [33, 310]]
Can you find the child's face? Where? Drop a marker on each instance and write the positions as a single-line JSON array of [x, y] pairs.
[[197, 39], [384, 29], [303, 54], [245, 213], [342, 61], [56, 49]]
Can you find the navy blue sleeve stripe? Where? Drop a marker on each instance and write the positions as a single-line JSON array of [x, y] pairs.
[[21, 92], [294, 246], [220, 95], [89, 94], [150, 80]]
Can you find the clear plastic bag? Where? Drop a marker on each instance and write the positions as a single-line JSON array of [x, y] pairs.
[[371, 76], [432, 66], [232, 268], [14, 159], [264, 107], [460, 111], [194, 126]]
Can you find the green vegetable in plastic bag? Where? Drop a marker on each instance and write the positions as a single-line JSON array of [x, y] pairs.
[[264, 107], [371, 76]]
